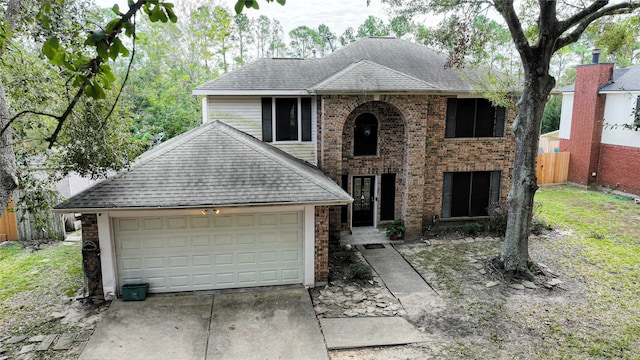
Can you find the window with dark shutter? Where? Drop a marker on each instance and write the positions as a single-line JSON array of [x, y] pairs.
[[286, 119], [468, 118], [469, 193]]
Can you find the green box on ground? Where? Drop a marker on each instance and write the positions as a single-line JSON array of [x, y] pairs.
[[134, 292]]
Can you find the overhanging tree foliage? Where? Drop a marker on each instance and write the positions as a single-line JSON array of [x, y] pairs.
[[538, 29], [86, 118]]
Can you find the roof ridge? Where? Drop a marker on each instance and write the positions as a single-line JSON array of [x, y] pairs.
[[361, 62], [277, 154]]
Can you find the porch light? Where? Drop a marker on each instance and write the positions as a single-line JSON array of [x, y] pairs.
[[210, 211]]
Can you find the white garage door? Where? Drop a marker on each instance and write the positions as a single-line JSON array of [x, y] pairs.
[[181, 253]]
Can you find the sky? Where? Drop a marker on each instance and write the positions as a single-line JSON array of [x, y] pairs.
[[336, 14]]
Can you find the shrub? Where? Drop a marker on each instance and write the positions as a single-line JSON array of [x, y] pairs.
[[473, 228], [360, 271]]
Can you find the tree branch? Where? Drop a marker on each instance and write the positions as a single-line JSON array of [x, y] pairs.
[[505, 8], [581, 15], [581, 26], [94, 68], [22, 113]]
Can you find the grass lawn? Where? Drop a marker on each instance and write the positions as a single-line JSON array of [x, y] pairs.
[[594, 313], [604, 233], [35, 283]]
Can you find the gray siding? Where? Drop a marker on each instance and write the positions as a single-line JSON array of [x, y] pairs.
[[245, 114]]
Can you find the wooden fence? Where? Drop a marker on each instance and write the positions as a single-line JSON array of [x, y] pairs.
[[552, 168], [14, 225], [8, 224]]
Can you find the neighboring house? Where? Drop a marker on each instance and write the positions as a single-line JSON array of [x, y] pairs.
[[251, 197], [599, 114], [406, 137]]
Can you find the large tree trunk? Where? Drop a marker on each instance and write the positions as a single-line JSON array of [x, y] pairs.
[[515, 249], [8, 180]]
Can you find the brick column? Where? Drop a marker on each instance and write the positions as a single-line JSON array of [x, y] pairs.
[[586, 122], [321, 244], [90, 255]]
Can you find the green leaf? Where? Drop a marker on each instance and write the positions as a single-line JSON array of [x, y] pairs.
[[103, 50], [281, 2], [107, 73], [51, 47], [59, 59], [239, 6], [129, 29], [171, 14], [116, 9]]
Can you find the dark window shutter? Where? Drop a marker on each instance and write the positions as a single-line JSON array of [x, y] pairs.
[[344, 216], [498, 130], [306, 118], [387, 196], [447, 190], [494, 188], [451, 117], [267, 128]]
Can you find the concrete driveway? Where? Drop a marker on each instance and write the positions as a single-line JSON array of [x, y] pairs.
[[257, 324]]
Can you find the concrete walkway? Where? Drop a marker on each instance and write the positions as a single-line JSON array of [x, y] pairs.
[[415, 295]]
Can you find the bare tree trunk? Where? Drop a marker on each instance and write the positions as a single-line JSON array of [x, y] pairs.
[[515, 249]]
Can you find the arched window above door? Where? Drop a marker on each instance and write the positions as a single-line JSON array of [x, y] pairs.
[[365, 135]]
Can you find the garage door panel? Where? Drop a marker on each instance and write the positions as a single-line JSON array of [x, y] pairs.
[[199, 240], [246, 239], [181, 253], [223, 239], [152, 224]]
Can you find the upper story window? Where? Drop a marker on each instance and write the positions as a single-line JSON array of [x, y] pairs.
[[288, 118], [365, 135], [474, 118]]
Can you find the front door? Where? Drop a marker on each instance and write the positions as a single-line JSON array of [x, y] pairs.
[[363, 190]]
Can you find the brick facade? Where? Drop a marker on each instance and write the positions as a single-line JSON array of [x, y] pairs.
[[586, 123], [617, 166], [412, 144], [91, 259], [321, 244]]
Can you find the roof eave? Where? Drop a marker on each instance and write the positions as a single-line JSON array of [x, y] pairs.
[[272, 92], [208, 206]]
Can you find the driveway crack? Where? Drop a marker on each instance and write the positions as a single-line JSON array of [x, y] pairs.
[[206, 348]]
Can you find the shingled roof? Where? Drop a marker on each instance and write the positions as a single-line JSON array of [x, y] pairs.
[[212, 165], [623, 79], [385, 60]]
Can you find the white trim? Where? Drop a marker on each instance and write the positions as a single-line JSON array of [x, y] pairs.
[[308, 247], [107, 257], [205, 110], [253, 92]]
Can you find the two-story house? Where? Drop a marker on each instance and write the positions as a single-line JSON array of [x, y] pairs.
[[599, 123], [291, 152]]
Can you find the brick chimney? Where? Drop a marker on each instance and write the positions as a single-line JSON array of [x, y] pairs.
[[586, 122]]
